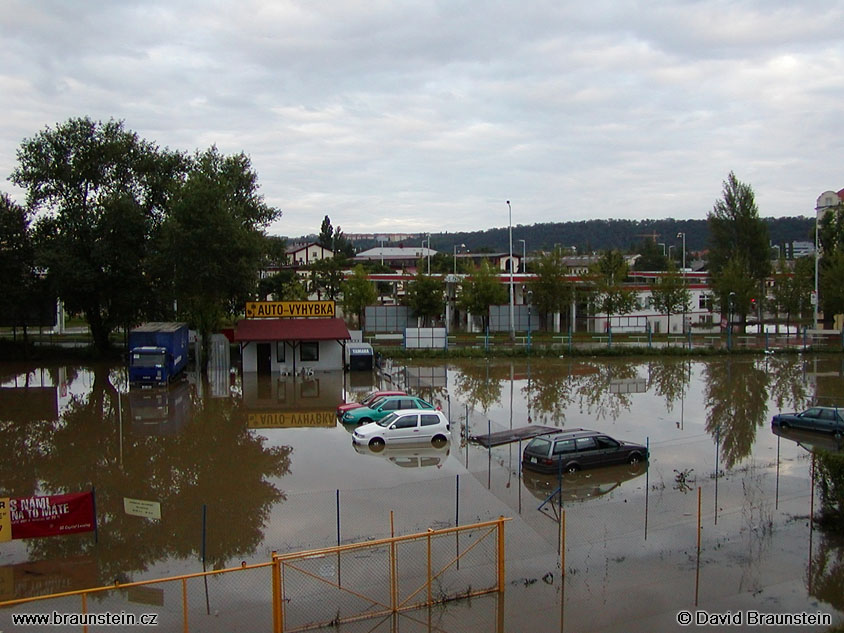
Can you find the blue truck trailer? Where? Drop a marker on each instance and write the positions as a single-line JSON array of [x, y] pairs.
[[158, 353]]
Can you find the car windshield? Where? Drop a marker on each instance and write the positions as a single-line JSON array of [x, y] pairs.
[[388, 420]]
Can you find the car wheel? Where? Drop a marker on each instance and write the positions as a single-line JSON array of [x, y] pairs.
[[572, 468], [376, 445], [439, 441], [634, 458]]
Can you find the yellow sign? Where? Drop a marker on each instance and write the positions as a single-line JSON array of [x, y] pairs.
[[289, 309], [140, 508], [271, 420], [5, 520]]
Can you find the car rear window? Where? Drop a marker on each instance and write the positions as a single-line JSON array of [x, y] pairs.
[[585, 443], [539, 445], [429, 419]]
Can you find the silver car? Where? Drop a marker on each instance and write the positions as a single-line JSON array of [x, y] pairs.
[[406, 426]]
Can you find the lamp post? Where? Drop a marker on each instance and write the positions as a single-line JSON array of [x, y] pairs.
[[669, 250], [512, 292], [683, 235], [730, 308], [455, 256], [663, 248], [530, 300], [522, 266]]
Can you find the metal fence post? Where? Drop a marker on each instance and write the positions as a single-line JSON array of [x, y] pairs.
[[185, 626], [276, 594], [500, 553]]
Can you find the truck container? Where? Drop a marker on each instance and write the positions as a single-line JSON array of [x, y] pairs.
[[158, 353]]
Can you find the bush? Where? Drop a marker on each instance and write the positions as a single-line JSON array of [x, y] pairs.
[[829, 477]]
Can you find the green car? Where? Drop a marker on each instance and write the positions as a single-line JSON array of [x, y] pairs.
[[381, 407]]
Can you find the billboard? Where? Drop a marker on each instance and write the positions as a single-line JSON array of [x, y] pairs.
[[51, 515]]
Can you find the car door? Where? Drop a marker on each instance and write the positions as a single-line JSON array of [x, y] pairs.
[[404, 430], [385, 408], [587, 452], [609, 451]]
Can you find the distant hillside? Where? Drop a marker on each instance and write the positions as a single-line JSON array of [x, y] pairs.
[[598, 235]]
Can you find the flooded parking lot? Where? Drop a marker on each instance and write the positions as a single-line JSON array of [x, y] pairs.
[[242, 466]]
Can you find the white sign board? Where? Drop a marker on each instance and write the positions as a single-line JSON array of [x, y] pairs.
[[139, 508]]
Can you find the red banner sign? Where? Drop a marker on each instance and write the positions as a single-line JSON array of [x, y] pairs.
[[52, 515]]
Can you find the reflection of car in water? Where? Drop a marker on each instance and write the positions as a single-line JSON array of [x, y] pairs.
[[816, 418], [812, 441], [581, 486], [410, 456]]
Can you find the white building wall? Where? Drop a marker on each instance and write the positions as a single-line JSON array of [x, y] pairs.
[[330, 357]]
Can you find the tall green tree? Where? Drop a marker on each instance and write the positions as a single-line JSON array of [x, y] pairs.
[[426, 297], [214, 238], [481, 290], [735, 290], [26, 299], [738, 234], [791, 293], [552, 292], [611, 296], [671, 294], [358, 292], [651, 257], [285, 285], [100, 193]]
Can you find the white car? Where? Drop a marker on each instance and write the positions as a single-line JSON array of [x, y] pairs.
[[404, 427]]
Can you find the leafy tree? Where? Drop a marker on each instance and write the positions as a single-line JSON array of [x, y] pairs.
[[358, 292], [791, 294], [285, 285], [25, 297], [102, 192], [832, 283], [425, 296], [734, 290], [651, 257], [552, 292], [671, 293], [327, 277], [831, 229], [608, 275], [481, 290], [326, 234], [738, 235], [214, 238]]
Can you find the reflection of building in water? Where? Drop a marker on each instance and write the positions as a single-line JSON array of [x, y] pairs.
[[290, 401], [162, 411], [415, 379], [629, 385], [38, 578]]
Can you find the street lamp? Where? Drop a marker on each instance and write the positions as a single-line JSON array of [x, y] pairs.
[[522, 266], [530, 300], [512, 293], [683, 235], [669, 250], [663, 248], [455, 256], [730, 308]]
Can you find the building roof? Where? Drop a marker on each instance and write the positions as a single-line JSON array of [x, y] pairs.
[[291, 330], [396, 252]]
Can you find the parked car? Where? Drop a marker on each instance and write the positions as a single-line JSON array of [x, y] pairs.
[[382, 407], [577, 449], [814, 419], [405, 427], [371, 397]]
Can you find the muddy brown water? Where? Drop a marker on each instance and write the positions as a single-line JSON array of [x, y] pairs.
[[265, 461]]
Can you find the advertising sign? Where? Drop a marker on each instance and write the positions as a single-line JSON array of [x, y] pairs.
[[289, 309], [282, 419], [141, 508], [52, 515]]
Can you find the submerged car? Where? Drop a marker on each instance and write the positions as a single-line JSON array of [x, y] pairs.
[[371, 397], [382, 407], [405, 427], [577, 449], [814, 419]]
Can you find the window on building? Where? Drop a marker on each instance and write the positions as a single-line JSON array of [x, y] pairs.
[[280, 348], [309, 351], [704, 302]]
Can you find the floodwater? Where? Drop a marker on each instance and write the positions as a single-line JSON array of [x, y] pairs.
[[245, 465]]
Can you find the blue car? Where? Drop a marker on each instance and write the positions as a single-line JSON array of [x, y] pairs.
[[382, 407]]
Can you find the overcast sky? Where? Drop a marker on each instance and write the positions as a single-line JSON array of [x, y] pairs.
[[391, 115]]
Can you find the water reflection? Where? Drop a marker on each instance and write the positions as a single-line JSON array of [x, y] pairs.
[[826, 572], [584, 485], [736, 405], [421, 456], [85, 446]]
